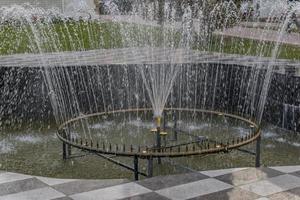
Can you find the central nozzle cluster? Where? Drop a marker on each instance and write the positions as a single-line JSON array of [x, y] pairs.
[[158, 122]]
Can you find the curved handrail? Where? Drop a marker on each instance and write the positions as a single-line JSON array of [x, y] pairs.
[[163, 151]]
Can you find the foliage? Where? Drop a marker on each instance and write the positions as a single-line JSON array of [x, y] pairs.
[[235, 45], [82, 35]]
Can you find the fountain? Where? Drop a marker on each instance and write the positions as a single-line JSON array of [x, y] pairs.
[[154, 80]]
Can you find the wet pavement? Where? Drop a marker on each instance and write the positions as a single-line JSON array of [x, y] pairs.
[[269, 183]]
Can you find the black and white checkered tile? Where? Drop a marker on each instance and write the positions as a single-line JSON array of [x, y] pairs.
[[274, 183]]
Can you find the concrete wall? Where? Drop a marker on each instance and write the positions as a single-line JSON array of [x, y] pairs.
[[47, 4], [89, 3], [24, 97], [272, 7]]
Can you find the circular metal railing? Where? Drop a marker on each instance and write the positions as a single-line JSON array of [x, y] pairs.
[[202, 147]]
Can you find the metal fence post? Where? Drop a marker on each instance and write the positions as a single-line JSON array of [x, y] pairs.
[[150, 166], [257, 154], [136, 168]]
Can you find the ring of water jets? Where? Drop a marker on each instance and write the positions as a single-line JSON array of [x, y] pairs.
[[196, 147]]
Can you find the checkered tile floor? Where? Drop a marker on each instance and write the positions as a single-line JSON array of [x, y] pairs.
[[273, 183]]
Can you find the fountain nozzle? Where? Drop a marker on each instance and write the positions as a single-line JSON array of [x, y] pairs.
[[158, 121]]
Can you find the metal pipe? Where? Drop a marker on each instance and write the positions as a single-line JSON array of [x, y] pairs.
[[158, 137], [136, 168], [175, 125], [120, 164], [158, 143], [150, 167], [64, 151], [155, 153], [64, 146], [165, 120], [257, 157], [69, 148]]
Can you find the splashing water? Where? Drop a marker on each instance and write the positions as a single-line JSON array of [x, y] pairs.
[[159, 81], [80, 9], [175, 35]]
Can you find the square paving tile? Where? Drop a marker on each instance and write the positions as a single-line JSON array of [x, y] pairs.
[[115, 192], [295, 191], [293, 194], [20, 186], [10, 177], [86, 185], [148, 196], [54, 181], [248, 176], [284, 196], [63, 198], [273, 185], [46, 193], [161, 182], [287, 169], [194, 189], [296, 173], [215, 173], [230, 194]]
